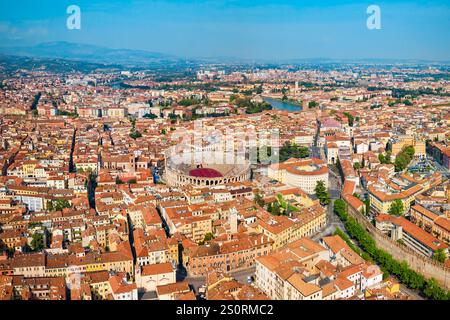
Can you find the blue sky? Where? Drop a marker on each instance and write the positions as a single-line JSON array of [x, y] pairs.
[[251, 29]]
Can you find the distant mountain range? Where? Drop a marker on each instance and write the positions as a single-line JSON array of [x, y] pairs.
[[90, 53], [142, 58]]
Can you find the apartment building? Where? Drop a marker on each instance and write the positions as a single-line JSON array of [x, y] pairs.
[[410, 235]]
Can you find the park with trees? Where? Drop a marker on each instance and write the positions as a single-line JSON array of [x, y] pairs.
[[58, 205], [403, 159], [289, 150]]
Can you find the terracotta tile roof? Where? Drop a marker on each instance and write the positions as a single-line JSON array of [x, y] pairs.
[[420, 234], [154, 269], [353, 201], [305, 288], [427, 213], [178, 287]]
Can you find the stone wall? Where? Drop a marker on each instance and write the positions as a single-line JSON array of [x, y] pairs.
[[417, 262]]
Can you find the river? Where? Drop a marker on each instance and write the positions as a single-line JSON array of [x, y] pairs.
[[282, 105]]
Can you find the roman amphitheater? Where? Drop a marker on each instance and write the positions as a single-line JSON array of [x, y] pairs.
[[204, 169]]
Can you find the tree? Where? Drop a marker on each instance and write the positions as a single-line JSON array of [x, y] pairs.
[[66, 113], [367, 203], [350, 119], [404, 158], [433, 291], [189, 102], [259, 90], [439, 255], [407, 102], [61, 204], [150, 116], [37, 242], [410, 151], [282, 203], [259, 200], [58, 205], [276, 211], [401, 162], [339, 206], [208, 237], [50, 206], [263, 154], [312, 104], [388, 264], [135, 134], [385, 159], [33, 225], [322, 193], [289, 150], [388, 157], [249, 106], [396, 208]]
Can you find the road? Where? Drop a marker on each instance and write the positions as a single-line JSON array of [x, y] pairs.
[[440, 168], [333, 221], [413, 294], [334, 188], [315, 152]]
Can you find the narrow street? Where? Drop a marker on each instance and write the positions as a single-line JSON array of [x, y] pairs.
[[72, 149], [91, 185], [334, 188]]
